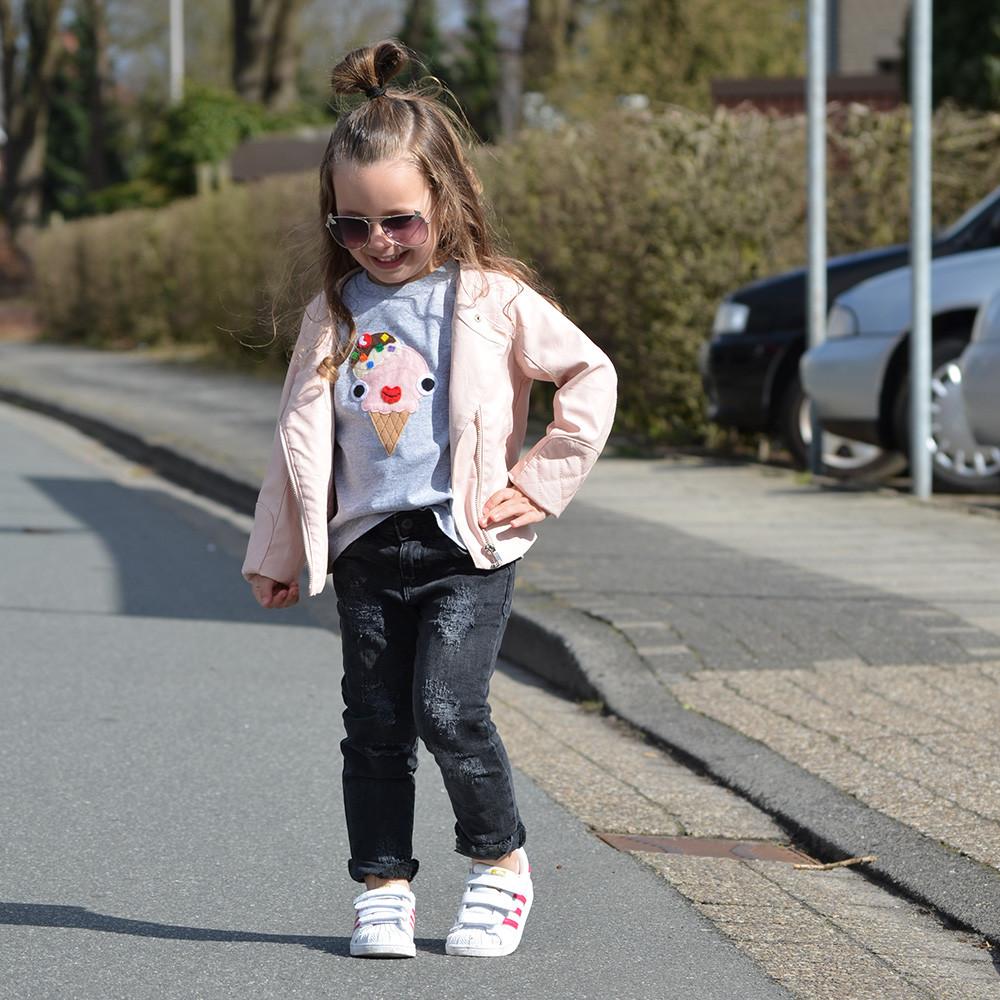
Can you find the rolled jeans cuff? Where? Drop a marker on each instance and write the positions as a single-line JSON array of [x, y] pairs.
[[490, 850], [394, 869]]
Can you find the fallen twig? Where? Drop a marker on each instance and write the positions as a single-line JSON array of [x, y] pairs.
[[847, 862]]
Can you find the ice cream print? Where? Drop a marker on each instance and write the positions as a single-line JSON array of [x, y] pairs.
[[392, 379]]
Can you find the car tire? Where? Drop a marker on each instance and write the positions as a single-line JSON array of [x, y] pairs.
[[842, 457], [960, 463]]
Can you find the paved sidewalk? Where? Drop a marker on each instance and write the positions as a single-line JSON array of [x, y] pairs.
[[834, 656]]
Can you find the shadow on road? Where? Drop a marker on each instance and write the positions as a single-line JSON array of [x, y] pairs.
[[172, 559], [80, 918]]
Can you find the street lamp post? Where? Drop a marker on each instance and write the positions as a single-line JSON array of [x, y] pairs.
[[920, 250], [816, 108], [176, 51]]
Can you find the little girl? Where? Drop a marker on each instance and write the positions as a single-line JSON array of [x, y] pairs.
[[396, 467]]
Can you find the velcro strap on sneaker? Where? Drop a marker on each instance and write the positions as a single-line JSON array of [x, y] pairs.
[[379, 897], [509, 884], [503, 903], [382, 907], [381, 917], [484, 922]]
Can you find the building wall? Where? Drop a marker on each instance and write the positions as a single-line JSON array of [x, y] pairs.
[[868, 32]]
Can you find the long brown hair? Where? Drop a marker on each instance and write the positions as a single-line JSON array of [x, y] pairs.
[[404, 123]]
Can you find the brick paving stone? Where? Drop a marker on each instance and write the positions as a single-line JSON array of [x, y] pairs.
[[977, 791], [947, 810], [777, 692], [969, 746], [581, 785], [887, 926], [665, 797], [844, 687], [803, 933], [925, 688], [737, 612]]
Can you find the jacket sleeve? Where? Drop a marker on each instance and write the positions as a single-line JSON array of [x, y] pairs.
[[549, 347], [276, 547]]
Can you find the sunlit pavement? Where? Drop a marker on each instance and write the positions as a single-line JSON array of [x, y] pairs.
[[831, 654]]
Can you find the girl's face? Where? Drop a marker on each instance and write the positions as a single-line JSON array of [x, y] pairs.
[[392, 187]]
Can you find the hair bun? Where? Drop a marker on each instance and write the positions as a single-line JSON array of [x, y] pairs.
[[367, 70]]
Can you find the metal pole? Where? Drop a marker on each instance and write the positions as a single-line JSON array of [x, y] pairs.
[[920, 251], [3, 103], [176, 50], [816, 109]]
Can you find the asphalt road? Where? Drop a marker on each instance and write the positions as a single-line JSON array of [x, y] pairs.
[[170, 815]]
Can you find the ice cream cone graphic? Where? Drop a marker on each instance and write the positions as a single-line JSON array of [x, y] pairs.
[[391, 380], [389, 426]]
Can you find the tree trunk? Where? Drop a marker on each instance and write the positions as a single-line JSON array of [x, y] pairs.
[[8, 52], [419, 29], [282, 90], [26, 93], [249, 49], [97, 86], [266, 51], [420, 32]]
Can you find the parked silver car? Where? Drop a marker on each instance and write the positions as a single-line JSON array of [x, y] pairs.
[[859, 379], [980, 364]]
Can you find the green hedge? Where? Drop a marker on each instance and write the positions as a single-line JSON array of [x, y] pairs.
[[638, 222], [200, 271]]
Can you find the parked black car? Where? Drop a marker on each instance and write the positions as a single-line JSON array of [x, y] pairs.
[[750, 365]]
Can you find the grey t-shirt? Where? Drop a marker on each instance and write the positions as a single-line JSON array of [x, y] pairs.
[[391, 444]]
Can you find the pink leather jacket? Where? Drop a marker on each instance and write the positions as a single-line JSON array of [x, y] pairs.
[[504, 335]]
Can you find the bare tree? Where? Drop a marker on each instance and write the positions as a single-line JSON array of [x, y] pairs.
[[30, 46], [267, 49]]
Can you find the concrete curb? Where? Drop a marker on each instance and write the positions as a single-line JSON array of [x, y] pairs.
[[588, 658]]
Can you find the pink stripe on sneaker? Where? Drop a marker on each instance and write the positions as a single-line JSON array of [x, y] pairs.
[[510, 923], [520, 898]]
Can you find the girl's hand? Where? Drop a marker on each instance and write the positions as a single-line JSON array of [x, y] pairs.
[[510, 505], [273, 594]]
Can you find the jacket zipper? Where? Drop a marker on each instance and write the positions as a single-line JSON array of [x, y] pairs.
[[489, 549]]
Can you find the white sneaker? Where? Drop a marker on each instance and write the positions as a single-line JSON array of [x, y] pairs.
[[494, 908], [384, 926]]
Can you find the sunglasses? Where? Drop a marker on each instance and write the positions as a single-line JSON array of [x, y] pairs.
[[353, 232]]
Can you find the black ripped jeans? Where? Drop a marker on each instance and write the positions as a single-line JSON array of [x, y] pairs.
[[421, 627]]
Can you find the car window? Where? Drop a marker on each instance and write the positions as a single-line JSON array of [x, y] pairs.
[[982, 234], [966, 218]]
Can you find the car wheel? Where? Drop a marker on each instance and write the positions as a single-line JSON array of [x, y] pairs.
[[959, 461], [843, 458]]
